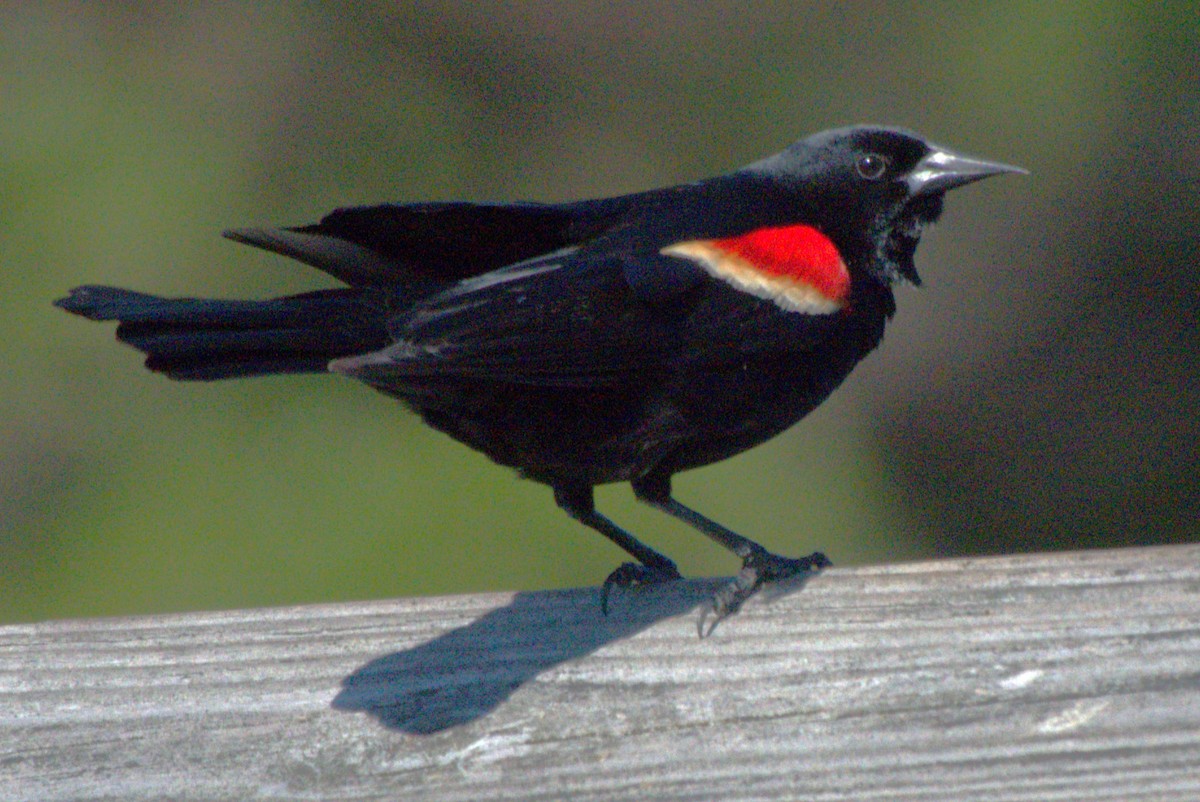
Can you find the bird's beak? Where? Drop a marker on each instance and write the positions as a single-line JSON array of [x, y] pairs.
[[942, 169]]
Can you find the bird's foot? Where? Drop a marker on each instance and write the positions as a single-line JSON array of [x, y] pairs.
[[760, 567], [633, 575]]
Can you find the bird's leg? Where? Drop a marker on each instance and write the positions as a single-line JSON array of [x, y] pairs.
[[651, 566], [758, 564]]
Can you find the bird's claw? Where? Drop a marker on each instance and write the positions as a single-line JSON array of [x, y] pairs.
[[632, 575], [760, 567]]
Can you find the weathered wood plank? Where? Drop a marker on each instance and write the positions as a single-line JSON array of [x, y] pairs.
[[1045, 677]]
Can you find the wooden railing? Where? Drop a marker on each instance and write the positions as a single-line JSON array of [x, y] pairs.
[[1040, 677]]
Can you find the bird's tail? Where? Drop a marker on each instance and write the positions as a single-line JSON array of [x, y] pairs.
[[203, 339]]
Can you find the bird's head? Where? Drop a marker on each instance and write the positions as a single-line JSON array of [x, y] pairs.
[[870, 190]]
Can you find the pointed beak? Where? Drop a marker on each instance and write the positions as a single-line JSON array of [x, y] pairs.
[[942, 170]]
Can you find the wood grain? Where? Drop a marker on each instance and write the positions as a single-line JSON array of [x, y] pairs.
[[1042, 677]]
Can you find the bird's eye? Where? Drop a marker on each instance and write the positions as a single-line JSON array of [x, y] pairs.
[[872, 166]]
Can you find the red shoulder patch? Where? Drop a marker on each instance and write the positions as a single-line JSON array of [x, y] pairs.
[[797, 267]]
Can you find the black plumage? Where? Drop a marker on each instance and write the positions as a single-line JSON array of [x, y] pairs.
[[613, 340]]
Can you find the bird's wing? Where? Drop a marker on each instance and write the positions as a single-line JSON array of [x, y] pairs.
[[577, 319], [558, 320], [434, 244]]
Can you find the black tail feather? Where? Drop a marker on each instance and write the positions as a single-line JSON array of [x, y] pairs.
[[204, 339]]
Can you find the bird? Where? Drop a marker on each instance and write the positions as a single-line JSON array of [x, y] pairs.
[[610, 340]]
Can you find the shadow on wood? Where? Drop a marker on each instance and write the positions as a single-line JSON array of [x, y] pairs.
[[467, 672]]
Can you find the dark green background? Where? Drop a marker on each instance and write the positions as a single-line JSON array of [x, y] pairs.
[[1041, 391]]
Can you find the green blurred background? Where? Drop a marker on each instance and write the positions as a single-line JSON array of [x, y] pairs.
[[1041, 391]]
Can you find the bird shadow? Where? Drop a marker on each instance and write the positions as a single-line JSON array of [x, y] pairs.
[[467, 672]]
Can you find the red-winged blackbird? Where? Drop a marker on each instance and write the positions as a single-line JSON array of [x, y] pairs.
[[615, 340]]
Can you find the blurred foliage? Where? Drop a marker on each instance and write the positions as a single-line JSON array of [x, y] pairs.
[[1041, 391]]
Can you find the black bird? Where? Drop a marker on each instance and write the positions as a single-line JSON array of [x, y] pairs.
[[615, 340]]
